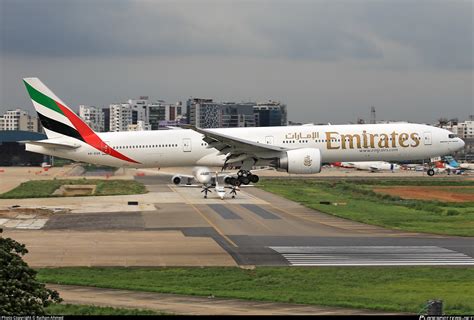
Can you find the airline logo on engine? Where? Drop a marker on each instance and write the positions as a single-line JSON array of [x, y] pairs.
[[307, 161]]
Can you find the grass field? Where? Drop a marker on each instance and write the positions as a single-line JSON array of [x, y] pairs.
[[364, 205], [403, 289], [87, 310], [45, 188]]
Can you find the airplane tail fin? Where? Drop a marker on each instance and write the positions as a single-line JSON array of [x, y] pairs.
[[57, 119], [440, 165]]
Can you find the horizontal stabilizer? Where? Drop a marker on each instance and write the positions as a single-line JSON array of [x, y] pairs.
[[51, 143]]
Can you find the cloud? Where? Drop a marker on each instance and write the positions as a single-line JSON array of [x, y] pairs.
[[439, 33]]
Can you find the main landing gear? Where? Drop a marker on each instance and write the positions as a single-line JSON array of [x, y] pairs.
[[243, 177]]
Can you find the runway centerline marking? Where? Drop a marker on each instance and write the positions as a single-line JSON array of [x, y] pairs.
[[205, 218]]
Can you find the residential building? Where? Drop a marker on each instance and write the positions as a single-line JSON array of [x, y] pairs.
[[19, 120], [120, 116], [93, 117]]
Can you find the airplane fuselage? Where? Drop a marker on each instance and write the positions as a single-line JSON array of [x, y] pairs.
[[337, 143]]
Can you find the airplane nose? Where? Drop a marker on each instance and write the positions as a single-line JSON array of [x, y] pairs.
[[461, 143]]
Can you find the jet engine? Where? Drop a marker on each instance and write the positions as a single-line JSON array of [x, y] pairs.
[[176, 179], [301, 161]]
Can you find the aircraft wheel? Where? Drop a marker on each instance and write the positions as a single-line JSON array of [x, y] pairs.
[[254, 178], [430, 172], [244, 180], [237, 182]]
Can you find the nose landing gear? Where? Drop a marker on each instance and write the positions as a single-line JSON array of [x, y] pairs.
[[206, 189]]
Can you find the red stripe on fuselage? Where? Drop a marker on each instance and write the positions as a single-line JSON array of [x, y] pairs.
[[90, 137]]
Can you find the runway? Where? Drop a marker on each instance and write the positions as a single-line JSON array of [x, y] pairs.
[[256, 228]]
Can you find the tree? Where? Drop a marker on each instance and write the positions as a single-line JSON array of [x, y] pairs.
[[21, 293]]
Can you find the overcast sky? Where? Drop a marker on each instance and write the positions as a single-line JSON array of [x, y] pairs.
[[329, 61]]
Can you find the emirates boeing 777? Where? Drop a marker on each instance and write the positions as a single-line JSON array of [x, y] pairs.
[[295, 149]]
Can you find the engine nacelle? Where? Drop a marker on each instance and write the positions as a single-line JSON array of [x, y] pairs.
[[228, 179], [301, 161], [176, 179]]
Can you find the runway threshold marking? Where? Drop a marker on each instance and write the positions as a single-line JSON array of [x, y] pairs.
[[205, 218], [372, 256]]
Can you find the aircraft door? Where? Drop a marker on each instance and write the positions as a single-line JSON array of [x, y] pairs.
[[186, 145], [269, 139], [427, 138]]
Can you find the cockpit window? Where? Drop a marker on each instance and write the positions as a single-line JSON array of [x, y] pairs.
[[451, 136]]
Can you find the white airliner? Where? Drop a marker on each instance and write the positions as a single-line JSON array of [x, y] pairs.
[[295, 149], [372, 166]]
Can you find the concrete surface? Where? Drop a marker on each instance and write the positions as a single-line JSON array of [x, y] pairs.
[[48, 248], [244, 231]]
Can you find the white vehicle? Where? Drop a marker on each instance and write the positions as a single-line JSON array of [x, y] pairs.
[[298, 150]]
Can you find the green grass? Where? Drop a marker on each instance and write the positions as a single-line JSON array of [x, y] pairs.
[[45, 188], [364, 205], [88, 310], [402, 289]]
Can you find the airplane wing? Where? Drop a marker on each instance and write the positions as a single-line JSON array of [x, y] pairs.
[[51, 143], [374, 168], [238, 149]]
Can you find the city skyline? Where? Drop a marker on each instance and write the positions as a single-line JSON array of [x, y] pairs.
[[328, 61]]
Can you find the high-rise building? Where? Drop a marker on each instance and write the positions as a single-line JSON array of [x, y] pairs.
[[139, 109], [120, 116], [106, 113], [159, 111], [93, 117], [237, 114], [19, 120], [204, 113], [271, 113]]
